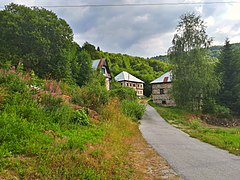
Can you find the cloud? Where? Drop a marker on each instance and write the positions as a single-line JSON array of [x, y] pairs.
[[144, 30]]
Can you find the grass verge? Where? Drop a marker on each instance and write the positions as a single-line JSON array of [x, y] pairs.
[[224, 138]]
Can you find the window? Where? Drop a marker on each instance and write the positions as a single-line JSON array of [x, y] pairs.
[[127, 84], [103, 70], [164, 102], [134, 85], [161, 91]]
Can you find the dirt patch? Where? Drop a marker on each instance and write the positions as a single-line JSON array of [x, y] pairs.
[[147, 164], [218, 121]]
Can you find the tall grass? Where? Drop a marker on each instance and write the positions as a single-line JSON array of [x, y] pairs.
[[133, 109], [43, 137]]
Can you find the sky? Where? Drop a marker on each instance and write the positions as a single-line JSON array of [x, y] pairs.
[[144, 31]]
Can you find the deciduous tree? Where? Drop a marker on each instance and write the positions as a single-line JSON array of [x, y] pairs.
[[193, 75]]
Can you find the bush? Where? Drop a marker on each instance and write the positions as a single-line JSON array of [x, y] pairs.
[[49, 101], [124, 93], [12, 81], [133, 109], [210, 106], [17, 135], [93, 95], [80, 117]]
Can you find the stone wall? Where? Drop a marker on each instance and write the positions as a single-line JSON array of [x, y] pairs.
[[161, 95]]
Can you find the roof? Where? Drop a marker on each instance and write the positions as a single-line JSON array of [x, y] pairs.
[[95, 63], [99, 63], [125, 76], [165, 78]]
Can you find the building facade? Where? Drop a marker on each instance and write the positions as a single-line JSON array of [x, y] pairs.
[[102, 64], [128, 80], [161, 88]]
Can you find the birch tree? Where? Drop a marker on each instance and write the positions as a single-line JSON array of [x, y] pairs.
[[194, 76]]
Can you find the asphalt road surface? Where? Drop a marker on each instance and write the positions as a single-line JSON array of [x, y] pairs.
[[190, 158]]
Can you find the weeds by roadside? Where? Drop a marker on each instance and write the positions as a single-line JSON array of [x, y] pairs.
[[43, 136]]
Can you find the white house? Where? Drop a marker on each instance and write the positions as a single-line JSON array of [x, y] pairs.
[[128, 80]]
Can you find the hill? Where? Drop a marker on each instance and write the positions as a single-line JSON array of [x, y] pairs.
[[215, 51]]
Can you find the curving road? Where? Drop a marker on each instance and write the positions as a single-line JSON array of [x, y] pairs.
[[189, 157]]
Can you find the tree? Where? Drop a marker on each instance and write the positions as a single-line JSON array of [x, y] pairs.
[[228, 67], [194, 78], [91, 49], [38, 39], [82, 67]]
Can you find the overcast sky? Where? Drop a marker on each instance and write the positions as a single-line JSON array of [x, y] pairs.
[[144, 30]]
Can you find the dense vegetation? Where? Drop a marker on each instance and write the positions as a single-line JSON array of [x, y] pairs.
[[57, 120], [40, 41], [195, 80], [228, 68], [48, 128], [145, 69], [202, 82]]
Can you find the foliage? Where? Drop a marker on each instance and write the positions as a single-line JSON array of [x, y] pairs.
[[39, 141], [94, 94], [133, 109], [214, 108], [82, 67], [37, 38], [123, 93], [194, 77], [225, 138], [144, 69], [81, 117], [228, 68], [91, 49], [24, 120]]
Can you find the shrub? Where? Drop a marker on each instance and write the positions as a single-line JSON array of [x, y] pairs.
[[124, 93], [210, 106], [133, 109], [49, 101], [3, 94], [93, 95], [17, 135], [80, 117], [12, 81]]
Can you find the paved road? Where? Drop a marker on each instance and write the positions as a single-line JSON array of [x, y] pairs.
[[189, 157]]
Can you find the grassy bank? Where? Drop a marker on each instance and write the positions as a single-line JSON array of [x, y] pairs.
[[54, 130], [225, 138], [97, 151]]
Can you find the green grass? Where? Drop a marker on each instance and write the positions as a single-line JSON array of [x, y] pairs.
[[225, 138], [43, 137]]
